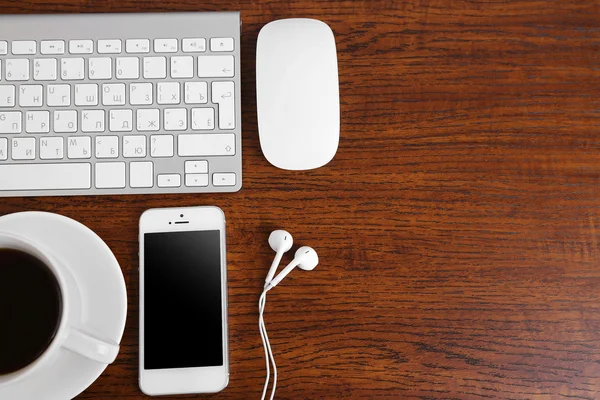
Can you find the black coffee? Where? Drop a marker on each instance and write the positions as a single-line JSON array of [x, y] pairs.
[[30, 309]]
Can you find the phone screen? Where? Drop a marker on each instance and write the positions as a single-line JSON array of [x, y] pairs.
[[183, 318]]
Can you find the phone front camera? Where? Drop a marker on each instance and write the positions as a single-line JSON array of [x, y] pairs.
[[181, 215]]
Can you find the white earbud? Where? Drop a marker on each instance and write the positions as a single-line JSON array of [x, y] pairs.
[[280, 241], [306, 258]]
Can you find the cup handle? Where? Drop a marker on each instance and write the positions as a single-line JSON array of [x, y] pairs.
[[90, 347]]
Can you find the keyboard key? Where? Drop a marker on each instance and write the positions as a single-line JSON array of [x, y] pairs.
[[223, 95], [203, 118], [169, 180], [10, 122], [168, 93], [65, 121], [221, 44], [165, 45], [148, 120], [141, 174], [30, 95], [24, 47], [45, 176], [196, 92], [16, 69], [140, 94], [3, 148], [196, 167], [81, 46], [215, 66], [45, 69], [79, 147], [51, 148], [194, 45], [175, 119], [22, 148], [86, 94], [37, 121], [120, 121], [50, 47], [112, 46], [107, 146], [71, 69], [110, 175], [92, 121], [128, 68], [224, 179], [100, 68], [7, 96], [113, 94], [182, 67], [3, 47], [134, 146], [196, 179], [155, 67], [58, 95], [137, 46], [213, 144], [161, 145]]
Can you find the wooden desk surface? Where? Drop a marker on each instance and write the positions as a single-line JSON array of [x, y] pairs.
[[457, 226]]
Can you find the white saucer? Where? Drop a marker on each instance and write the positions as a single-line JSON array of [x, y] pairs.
[[104, 307]]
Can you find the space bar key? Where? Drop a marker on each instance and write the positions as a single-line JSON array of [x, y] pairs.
[[45, 176]]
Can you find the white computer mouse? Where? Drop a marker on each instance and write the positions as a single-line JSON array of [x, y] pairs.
[[297, 93]]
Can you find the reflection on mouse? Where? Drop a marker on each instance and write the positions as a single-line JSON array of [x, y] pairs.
[[297, 93]]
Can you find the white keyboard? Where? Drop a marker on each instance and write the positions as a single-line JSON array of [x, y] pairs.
[[119, 104]]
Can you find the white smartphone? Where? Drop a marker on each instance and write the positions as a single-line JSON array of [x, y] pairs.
[[183, 301]]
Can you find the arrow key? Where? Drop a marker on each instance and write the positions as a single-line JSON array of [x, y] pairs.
[[224, 179], [196, 180], [169, 180], [196, 167]]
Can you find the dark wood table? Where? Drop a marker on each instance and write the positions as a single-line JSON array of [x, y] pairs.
[[457, 226]]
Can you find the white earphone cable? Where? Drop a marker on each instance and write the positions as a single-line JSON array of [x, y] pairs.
[[305, 258], [261, 305], [267, 346]]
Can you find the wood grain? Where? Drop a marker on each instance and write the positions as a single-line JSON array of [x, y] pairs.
[[456, 227]]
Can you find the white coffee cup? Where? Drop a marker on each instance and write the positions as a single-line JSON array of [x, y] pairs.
[[71, 333]]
